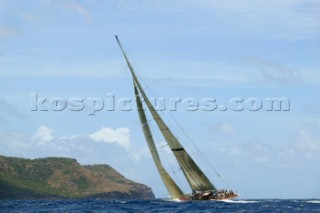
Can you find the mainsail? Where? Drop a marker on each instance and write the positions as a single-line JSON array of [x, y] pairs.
[[195, 177]]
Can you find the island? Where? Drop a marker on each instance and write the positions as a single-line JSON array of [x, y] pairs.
[[59, 178]]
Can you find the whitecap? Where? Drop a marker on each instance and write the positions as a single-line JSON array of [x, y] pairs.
[[313, 201], [239, 201]]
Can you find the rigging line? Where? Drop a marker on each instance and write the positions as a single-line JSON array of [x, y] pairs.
[[163, 146], [185, 133], [188, 137], [178, 170], [153, 93], [136, 64], [165, 155], [124, 64], [169, 123], [166, 114], [187, 170]]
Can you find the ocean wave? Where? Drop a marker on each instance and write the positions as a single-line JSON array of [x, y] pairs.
[[239, 201], [313, 201]]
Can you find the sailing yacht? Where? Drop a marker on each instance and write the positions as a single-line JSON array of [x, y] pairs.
[[202, 188]]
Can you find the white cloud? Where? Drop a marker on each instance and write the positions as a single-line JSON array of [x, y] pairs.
[[9, 32], [293, 19], [119, 136], [226, 128], [142, 154], [69, 138], [28, 17], [274, 71], [307, 142], [250, 69], [204, 70], [43, 144], [43, 135], [43, 67], [13, 142], [79, 9], [303, 148], [311, 75], [287, 19], [7, 112]]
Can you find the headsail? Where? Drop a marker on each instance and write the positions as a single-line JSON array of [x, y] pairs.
[[195, 177], [174, 191]]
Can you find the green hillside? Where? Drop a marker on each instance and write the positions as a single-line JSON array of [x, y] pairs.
[[64, 178]]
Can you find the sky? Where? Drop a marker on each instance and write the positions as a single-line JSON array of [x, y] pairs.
[[61, 70]]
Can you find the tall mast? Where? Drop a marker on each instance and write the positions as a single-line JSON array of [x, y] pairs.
[[194, 175]]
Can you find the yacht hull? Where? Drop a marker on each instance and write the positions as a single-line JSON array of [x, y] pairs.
[[205, 196]]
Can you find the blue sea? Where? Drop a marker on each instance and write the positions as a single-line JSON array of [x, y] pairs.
[[158, 205]]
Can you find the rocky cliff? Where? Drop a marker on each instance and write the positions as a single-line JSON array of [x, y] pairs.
[[64, 178]]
